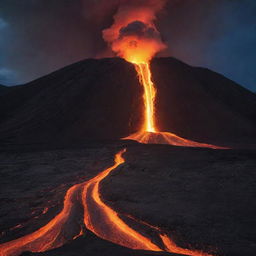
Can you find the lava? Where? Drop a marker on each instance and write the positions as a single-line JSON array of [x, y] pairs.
[[107, 224], [98, 217], [134, 37], [149, 133], [149, 96], [50, 236]]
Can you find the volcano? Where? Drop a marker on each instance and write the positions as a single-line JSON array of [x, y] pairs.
[[102, 100], [68, 140]]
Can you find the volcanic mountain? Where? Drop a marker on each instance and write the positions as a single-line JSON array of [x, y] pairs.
[[140, 199], [102, 100]]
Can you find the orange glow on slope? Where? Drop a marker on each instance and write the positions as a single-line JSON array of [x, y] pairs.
[[98, 217]]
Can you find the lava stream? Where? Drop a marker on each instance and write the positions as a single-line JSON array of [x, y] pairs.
[[149, 133], [53, 234], [98, 217], [144, 73], [107, 224]]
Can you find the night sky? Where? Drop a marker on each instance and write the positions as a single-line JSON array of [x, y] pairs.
[[40, 36]]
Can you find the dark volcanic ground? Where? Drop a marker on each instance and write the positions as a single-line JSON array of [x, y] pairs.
[[204, 198]]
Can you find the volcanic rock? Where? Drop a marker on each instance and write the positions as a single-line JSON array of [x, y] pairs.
[[4, 89], [203, 198]]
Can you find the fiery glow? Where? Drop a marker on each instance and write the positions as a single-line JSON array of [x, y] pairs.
[[98, 217], [149, 133], [49, 236], [134, 37], [104, 221], [107, 223], [170, 246], [149, 96], [167, 138]]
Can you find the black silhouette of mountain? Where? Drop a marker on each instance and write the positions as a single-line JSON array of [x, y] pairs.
[[4, 89], [102, 100]]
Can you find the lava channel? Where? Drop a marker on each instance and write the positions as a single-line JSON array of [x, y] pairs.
[[98, 217], [149, 133]]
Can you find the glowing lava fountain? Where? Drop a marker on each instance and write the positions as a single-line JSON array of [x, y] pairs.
[[98, 217], [149, 96], [149, 133], [134, 37]]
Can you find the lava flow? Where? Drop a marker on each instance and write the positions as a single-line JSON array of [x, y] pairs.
[[52, 235], [100, 218], [134, 37], [149, 133], [108, 224]]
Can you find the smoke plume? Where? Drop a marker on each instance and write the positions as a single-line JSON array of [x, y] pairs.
[[133, 35]]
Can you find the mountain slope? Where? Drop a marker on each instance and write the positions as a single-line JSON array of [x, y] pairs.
[[90, 99], [202, 105], [102, 99]]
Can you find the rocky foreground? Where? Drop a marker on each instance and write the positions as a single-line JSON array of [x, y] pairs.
[[203, 198]]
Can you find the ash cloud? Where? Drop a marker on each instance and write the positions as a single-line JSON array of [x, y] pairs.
[[139, 29]]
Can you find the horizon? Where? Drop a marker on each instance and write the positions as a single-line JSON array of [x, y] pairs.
[[117, 57]]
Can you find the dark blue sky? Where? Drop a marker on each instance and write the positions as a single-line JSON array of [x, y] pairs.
[[40, 36]]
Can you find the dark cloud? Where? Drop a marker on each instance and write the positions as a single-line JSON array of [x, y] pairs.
[[220, 35], [40, 36], [44, 35], [7, 76], [139, 29]]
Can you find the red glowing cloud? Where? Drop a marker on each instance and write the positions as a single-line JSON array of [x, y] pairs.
[[133, 35]]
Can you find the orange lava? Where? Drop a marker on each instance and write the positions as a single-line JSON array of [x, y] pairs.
[[134, 37], [149, 96], [107, 224], [167, 138], [149, 134], [170, 246], [49, 236], [98, 217]]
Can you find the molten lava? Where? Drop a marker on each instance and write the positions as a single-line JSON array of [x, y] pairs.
[[104, 221], [149, 133], [134, 37], [149, 96], [51, 235], [98, 217]]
